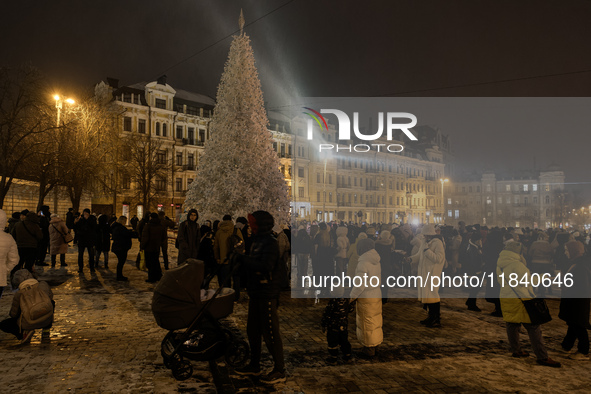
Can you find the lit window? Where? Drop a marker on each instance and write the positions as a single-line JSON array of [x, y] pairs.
[[525, 188], [508, 188], [457, 216], [449, 213], [535, 187]]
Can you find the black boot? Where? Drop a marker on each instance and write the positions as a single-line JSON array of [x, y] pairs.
[[434, 315], [428, 319], [471, 304]]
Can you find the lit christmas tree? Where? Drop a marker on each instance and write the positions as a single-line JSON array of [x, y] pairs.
[[238, 172]]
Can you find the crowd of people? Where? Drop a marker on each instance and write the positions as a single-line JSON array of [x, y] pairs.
[[255, 253], [384, 250]]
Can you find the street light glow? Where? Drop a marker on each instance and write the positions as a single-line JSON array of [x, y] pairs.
[[70, 101], [56, 97]]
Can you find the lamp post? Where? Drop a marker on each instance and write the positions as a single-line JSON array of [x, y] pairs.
[[442, 198], [59, 103]]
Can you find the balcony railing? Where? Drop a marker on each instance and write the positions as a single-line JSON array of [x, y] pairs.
[[189, 167], [344, 204]]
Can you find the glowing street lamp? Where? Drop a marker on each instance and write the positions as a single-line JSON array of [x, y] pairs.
[[442, 198], [59, 102]]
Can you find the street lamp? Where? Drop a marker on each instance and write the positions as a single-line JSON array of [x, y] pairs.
[[59, 102], [442, 199]]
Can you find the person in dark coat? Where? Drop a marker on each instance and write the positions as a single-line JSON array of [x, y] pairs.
[[44, 216], [167, 223], [103, 240], [575, 302], [263, 286], [27, 234], [473, 266], [205, 253], [121, 244], [335, 321], [140, 229], [85, 228], [16, 217], [189, 237], [490, 255], [70, 218], [153, 238], [133, 221]]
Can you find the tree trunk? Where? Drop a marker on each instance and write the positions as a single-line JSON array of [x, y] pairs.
[[5, 184]]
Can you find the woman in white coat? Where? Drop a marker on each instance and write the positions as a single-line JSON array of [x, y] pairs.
[[431, 259], [369, 298], [8, 252]]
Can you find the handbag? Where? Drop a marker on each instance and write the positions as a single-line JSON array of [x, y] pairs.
[[68, 237], [537, 309]]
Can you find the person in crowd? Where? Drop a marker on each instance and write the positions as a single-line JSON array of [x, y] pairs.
[[70, 218], [122, 237], [133, 221], [221, 251], [8, 253], [85, 228], [342, 249], [335, 322], [76, 217], [490, 255], [242, 225], [352, 255], [189, 237], [205, 253], [168, 224], [512, 261], [44, 216], [263, 286], [14, 219], [140, 230], [574, 304], [153, 238], [284, 249], [323, 263], [112, 219], [369, 299], [16, 324], [385, 246], [215, 226], [302, 246], [472, 267], [57, 240], [454, 251], [27, 234], [103, 240], [431, 259], [540, 254]]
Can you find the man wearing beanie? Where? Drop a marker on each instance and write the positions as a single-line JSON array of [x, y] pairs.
[[264, 276], [574, 305]]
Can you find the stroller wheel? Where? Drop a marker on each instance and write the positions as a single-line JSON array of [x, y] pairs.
[[237, 354], [182, 370], [167, 350]]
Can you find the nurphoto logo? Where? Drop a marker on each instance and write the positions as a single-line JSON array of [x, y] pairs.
[[344, 130]]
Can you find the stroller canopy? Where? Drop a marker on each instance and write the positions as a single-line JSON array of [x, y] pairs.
[[177, 297]]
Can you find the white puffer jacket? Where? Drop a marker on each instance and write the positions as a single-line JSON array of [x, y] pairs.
[[8, 251], [342, 242]]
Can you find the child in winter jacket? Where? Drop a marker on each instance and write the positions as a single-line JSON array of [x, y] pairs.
[[335, 322], [29, 311]]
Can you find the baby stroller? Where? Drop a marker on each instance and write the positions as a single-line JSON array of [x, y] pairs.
[[179, 302]]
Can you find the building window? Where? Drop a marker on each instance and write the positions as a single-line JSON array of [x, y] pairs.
[[507, 188], [535, 200], [191, 135], [477, 189], [126, 182], [160, 103], [500, 200], [488, 201], [127, 97], [318, 196], [126, 123], [547, 199], [449, 201], [488, 188], [189, 181], [301, 192], [525, 201], [179, 184], [160, 184], [282, 152], [179, 159], [457, 216], [141, 126], [157, 128], [547, 187], [191, 161], [161, 157], [164, 130], [355, 198], [449, 213], [525, 187], [317, 177], [516, 199], [534, 187], [301, 172], [330, 197], [275, 146], [330, 179], [508, 200], [179, 132]]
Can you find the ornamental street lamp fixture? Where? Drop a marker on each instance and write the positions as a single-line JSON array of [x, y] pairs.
[[59, 103]]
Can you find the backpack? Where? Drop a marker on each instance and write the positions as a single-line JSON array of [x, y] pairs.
[[235, 243], [36, 307]]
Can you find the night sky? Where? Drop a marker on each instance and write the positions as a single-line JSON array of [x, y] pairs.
[[308, 48]]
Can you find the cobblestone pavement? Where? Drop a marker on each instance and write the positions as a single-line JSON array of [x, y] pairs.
[[105, 340]]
